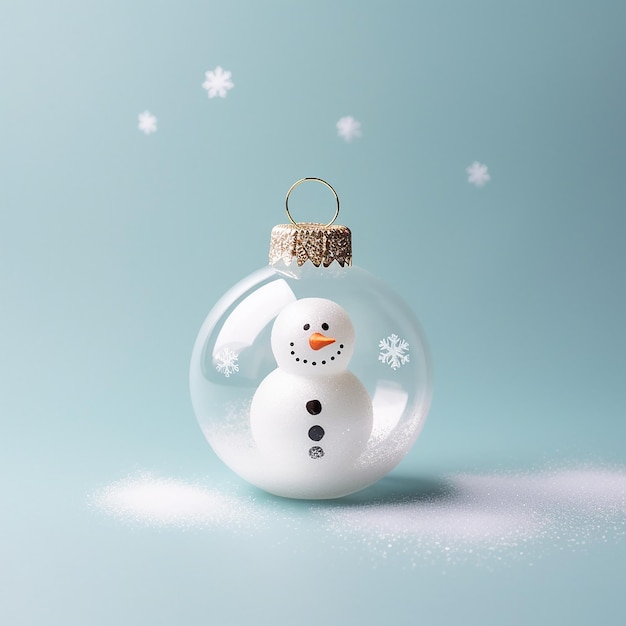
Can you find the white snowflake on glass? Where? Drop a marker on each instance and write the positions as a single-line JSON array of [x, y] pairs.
[[147, 122], [477, 174], [348, 128], [218, 82], [226, 362], [393, 351]]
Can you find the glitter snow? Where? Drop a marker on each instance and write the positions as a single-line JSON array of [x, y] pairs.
[[490, 517], [165, 502], [218, 82], [476, 518]]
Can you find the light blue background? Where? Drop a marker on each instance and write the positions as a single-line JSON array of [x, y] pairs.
[[114, 245]]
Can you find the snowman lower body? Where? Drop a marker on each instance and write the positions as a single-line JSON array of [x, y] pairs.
[[311, 426]]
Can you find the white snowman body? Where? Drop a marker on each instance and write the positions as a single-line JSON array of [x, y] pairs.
[[311, 414]]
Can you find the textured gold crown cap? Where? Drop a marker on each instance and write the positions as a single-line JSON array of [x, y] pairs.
[[319, 243], [305, 241]]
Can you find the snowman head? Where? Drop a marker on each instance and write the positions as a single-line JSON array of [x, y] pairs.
[[313, 337]]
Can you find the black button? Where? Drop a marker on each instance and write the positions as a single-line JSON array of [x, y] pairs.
[[314, 407], [316, 433]]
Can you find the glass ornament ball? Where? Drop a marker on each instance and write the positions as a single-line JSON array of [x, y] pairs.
[[310, 380]]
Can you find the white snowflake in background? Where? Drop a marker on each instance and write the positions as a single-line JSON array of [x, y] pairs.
[[393, 351], [147, 122], [348, 128], [226, 362], [477, 174], [218, 82]]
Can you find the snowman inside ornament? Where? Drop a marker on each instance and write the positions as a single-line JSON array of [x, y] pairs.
[[311, 413], [310, 377]]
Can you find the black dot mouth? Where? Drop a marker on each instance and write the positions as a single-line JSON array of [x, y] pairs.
[[307, 362]]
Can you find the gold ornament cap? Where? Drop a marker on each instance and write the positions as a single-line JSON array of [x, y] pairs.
[[300, 242]]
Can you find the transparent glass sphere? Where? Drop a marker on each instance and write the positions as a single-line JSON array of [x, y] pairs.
[[371, 411]]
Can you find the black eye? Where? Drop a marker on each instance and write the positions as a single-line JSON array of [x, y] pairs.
[[324, 326], [307, 326]]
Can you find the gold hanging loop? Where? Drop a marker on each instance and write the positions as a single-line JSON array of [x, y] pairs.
[[299, 182]]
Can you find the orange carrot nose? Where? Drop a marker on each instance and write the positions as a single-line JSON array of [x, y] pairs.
[[317, 341]]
